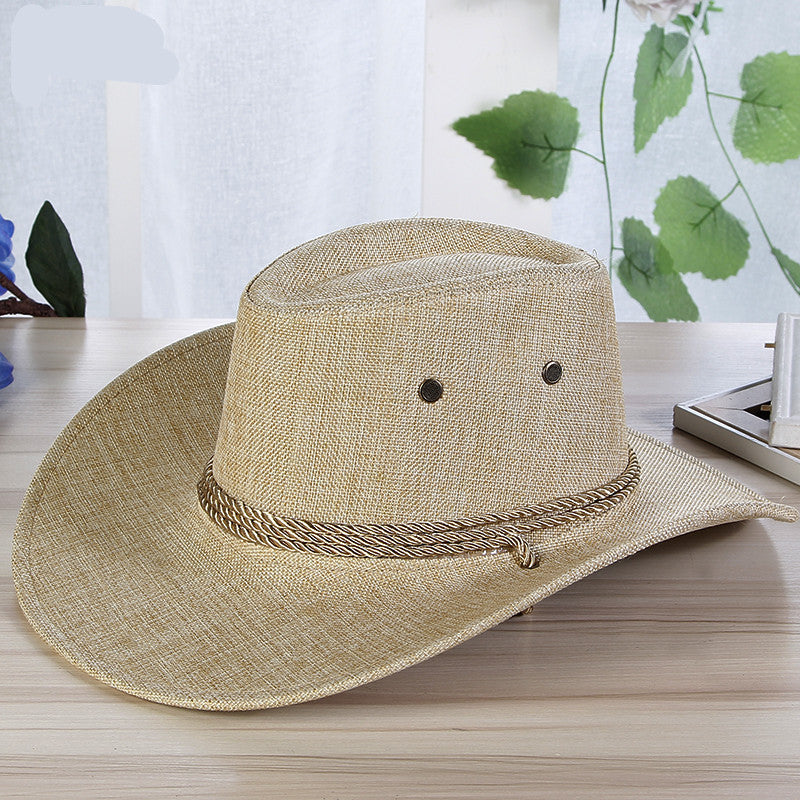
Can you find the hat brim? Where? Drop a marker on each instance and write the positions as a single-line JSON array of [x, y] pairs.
[[120, 571]]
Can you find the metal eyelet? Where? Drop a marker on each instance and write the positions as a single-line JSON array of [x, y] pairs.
[[552, 372], [430, 390]]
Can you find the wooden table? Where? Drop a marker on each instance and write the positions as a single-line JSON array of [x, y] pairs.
[[674, 673]]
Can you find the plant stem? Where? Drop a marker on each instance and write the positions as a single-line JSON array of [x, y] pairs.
[[603, 137], [21, 303], [587, 153], [752, 102], [712, 209], [551, 148], [739, 182], [735, 187]]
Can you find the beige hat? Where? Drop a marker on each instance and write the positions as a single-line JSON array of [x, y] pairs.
[[420, 433]]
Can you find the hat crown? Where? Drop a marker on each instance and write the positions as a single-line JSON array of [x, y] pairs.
[[323, 416]]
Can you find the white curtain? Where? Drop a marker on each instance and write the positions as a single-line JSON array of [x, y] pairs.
[[287, 119], [56, 151]]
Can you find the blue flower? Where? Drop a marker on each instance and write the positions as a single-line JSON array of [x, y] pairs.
[[6, 258], [6, 371], [6, 232], [5, 268]]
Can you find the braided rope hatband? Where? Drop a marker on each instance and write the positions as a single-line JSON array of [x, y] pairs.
[[413, 539]]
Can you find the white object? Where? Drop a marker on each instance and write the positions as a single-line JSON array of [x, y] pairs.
[[784, 424], [733, 421]]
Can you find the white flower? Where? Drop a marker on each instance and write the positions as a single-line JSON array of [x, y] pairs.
[[663, 11]]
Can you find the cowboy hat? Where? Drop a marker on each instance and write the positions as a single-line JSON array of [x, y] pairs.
[[414, 431]]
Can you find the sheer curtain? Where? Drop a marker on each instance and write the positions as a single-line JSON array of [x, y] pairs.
[[685, 145], [286, 120], [56, 150]]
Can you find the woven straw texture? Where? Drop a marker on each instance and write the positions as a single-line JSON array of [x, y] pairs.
[[119, 568], [478, 307]]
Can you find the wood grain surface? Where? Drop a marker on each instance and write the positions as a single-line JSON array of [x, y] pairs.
[[674, 673]]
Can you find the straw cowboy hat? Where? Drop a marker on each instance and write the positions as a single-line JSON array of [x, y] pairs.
[[414, 431]]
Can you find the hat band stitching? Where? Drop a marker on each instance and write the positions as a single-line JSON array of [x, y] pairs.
[[505, 529]]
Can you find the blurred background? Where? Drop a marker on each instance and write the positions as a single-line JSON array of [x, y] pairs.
[[292, 118]]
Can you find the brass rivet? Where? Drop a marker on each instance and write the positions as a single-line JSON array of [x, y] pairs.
[[430, 390], [552, 372]]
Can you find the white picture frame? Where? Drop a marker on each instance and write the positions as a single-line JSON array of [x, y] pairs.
[[731, 420]]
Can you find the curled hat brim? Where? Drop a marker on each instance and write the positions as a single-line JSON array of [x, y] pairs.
[[120, 571]]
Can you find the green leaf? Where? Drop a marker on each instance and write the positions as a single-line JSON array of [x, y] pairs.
[[767, 125], [530, 136], [699, 233], [791, 269], [658, 94], [647, 273], [53, 265]]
